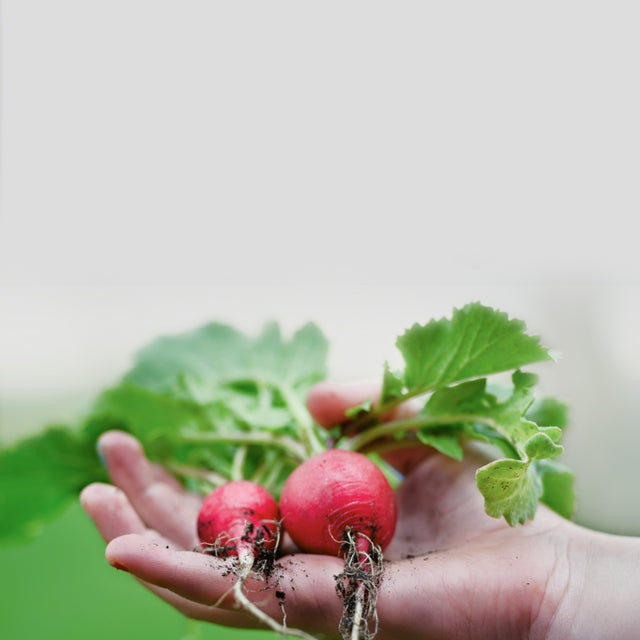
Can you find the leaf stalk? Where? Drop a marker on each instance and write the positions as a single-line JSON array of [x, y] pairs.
[[382, 431], [293, 448]]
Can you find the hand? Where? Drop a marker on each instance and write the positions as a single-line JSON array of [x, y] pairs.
[[452, 571]]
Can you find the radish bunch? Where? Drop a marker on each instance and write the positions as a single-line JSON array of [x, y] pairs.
[[216, 407], [336, 503]]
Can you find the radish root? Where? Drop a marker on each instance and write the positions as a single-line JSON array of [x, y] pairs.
[[246, 562], [358, 587], [253, 558]]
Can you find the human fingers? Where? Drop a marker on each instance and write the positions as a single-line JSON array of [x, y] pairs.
[[110, 511], [302, 585], [160, 504], [114, 516]]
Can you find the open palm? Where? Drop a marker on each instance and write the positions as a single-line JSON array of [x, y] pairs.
[[452, 571]]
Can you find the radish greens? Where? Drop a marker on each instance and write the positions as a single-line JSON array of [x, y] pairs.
[[214, 404]]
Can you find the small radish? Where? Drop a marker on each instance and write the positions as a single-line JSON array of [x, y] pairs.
[[340, 503], [240, 518]]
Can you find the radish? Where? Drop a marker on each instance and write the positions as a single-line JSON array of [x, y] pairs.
[[240, 518], [340, 503]]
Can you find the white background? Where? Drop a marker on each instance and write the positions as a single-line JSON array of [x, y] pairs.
[[363, 165]]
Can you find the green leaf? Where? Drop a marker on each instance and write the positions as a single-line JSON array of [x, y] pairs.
[[511, 489], [208, 354], [363, 407], [143, 413], [484, 433], [471, 399], [466, 397], [197, 363], [549, 412], [499, 423], [509, 421], [392, 385], [40, 476], [300, 362], [555, 433], [477, 341], [541, 446], [178, 432], [257, 409], [557, 482], [263, 381], [530, 440], [523, 379], [306, 355], [445, 442]]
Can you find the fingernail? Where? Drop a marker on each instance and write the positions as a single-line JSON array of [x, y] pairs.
[[101, 456], [120, 567]]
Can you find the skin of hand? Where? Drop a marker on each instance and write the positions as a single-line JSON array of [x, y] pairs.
[[451, 571]]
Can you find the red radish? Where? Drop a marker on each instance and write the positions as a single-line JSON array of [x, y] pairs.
[[334, 492], [340, 503], [240, 518]]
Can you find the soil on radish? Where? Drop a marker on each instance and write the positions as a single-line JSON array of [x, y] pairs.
[[264, 557]]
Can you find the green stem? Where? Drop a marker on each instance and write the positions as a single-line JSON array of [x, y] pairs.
[[387, 429], [308, 436], [212, 477], [271, 456], [237, 468], [289, 445], [270, 479], [375, 413], [265, 395]]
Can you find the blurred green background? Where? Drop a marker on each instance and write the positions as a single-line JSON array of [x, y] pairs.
[[60, 587]]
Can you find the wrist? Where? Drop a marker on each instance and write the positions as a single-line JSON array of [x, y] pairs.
[[602, 589]]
